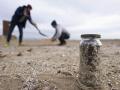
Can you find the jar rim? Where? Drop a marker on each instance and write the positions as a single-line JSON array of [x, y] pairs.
[[90, 36]]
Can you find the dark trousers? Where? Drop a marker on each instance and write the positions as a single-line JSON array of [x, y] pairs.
[[12, 26], [63, 37]]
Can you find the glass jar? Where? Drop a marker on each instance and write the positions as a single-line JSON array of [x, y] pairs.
[[93, 39], [89, 72]]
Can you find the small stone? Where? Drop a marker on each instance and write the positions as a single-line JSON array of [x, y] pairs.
[[0, 51], [2, 55], [3, 68], [28, 63], [58, 71], [30, 84], [29, 50], [65, 73], [117, 53], [109, 84], [19, 54], [46, 88], [114, 89]]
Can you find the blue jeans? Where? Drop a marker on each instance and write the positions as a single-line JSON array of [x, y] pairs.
[[63, 37], [12, 26]]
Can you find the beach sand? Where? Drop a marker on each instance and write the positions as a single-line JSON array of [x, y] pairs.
[[53, 67]]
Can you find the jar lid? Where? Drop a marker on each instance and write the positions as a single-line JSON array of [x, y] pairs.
[[90, 36]]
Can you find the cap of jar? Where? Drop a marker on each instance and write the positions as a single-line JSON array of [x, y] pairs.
[[90, 36]]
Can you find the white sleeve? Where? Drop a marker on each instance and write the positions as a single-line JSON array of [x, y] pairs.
[[58, 32]]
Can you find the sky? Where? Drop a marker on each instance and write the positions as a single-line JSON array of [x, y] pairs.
[[77, 16]]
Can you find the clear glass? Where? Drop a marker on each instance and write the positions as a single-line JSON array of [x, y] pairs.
[[92, 41]]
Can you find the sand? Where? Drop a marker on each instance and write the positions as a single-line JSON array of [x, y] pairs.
[[43, 65]]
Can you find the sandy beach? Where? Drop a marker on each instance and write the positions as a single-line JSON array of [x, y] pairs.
[[53, 67]]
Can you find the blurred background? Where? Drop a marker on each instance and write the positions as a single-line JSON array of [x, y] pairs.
[[77, 16]]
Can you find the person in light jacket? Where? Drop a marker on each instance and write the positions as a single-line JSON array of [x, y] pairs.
[[60, 33]]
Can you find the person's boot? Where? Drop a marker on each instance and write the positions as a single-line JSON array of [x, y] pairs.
[[62, 43], [20, 44]]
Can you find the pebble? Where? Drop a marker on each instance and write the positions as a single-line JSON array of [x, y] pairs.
[[29, 50], [2, 55], [64, 73], [3, 68], [28, 63], [19, 54], [109, 84], [0, 51]]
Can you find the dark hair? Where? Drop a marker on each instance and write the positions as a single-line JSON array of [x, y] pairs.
[[53, 23], [29, 6]]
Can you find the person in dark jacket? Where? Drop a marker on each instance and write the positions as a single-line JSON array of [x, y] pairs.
[[21, 15], [60, 33]]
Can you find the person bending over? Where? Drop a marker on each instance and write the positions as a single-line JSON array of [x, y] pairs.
[[60, 33]]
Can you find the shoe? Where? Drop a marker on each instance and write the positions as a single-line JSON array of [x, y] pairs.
[[63, 43], [20, 44]]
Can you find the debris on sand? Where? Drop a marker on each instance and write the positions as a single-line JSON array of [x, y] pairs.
[[58, 71], [64, 73], [109, 84], [4, 67], [29, 50], [28, 63], [0, 51], [31, 84], [19, 54], [48, 86], [2, 55], [117, 53]]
